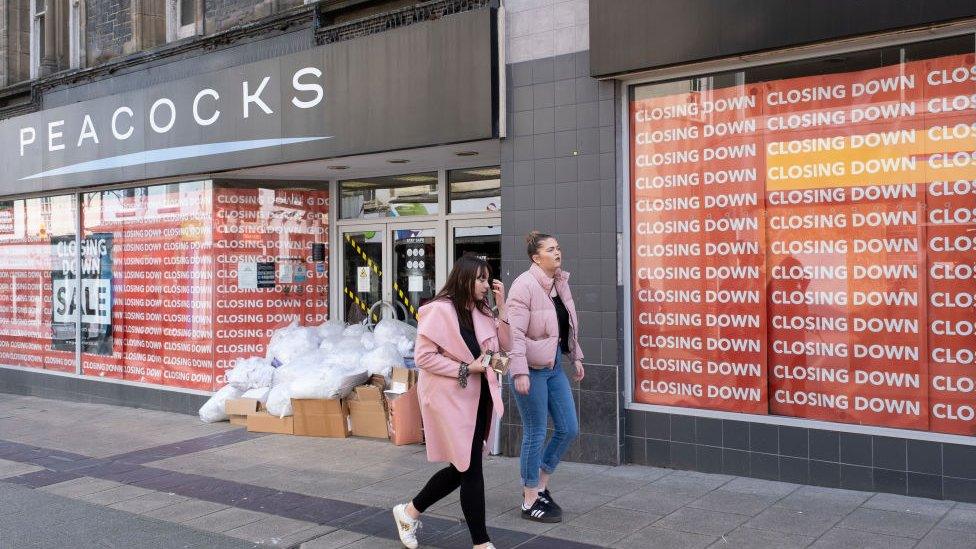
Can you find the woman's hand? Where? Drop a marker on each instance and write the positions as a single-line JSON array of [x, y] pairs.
[[580, 373], [478, 366], [498, 289], [521, 383]]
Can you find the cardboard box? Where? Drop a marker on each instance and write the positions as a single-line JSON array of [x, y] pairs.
[[237, 409], [405, 422], [317, 417], [263, 422], [403, 379], [367, 412]]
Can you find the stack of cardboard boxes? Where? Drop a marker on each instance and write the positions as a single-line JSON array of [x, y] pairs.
[[372, 410]]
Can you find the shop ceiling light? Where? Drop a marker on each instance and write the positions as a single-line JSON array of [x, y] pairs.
[[398, 161], [467, 153], [338, 167]]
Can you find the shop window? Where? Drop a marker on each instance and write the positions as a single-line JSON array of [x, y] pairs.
[[803, 235], [475, 190], [201, 275], [39, 285], [389, 196]]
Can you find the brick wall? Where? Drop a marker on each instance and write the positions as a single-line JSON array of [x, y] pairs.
[[108, 29], [558, 176]]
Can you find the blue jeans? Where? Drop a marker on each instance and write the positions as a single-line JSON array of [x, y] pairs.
[[549, 395]]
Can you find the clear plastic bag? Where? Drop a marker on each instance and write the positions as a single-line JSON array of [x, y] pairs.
[[260, 394], [331, 328], [213, 411], [251, 373], [291, 341], [368, 341], [279, 401], [382, 360]]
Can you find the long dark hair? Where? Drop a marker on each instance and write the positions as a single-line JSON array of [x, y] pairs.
[[459, 288]]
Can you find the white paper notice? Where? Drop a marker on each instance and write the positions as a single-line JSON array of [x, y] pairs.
[[362, 282], [247, 275], [285, 272], [415, 283]]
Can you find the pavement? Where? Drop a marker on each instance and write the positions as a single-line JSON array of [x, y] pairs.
[[90, 475]]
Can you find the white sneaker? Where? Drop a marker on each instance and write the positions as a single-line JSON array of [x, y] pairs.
[[406, 526]]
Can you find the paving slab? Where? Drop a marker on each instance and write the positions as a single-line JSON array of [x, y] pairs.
[[571, 532], [906, 504], [661, 538], [334, 540], [938, 538], [843, 537], [15, 468], [892, 523], [614, 520], [961, 518], [80, 487], [185, 510], [793, 521], [148, 502], [750, 538], [271, 530], [225, 520], [115, 495], [701, 521], [739, 503], [816, 498]]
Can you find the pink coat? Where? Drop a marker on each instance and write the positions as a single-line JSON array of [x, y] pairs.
[[449, 412], [535, 327]]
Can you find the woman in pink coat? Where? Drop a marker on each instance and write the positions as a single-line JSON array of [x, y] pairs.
[[457, 395]]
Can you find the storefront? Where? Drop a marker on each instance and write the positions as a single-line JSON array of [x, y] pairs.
[[166, 224], [798, 220]]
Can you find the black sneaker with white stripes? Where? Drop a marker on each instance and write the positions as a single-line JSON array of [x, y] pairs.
[[540, 512], [547, 497]]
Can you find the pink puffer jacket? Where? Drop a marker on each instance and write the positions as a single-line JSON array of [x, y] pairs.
[[535, 327]]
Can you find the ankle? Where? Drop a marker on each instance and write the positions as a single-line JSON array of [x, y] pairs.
[[412, 511]]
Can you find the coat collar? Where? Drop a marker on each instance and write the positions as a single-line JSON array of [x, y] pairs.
[[544, 280], [440, 325]]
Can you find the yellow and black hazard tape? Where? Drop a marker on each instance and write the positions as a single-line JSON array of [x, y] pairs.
[[376, 269], [359, 302]]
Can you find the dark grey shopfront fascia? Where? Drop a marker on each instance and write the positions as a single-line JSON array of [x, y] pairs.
[[426, 84]]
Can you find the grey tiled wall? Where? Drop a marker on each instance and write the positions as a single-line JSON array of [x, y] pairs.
[[40, 384], [558, 176], [803, 456]]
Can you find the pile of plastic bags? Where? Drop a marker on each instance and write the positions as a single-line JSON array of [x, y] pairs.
[[325, 361]]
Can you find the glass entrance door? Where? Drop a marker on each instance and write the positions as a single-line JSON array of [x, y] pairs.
[[414, 264], [480, 238], [361, 270]]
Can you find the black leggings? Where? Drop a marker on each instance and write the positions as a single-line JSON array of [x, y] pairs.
[[472, 481]]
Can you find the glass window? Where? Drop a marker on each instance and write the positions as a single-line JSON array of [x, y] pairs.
[[39, 298], [414, 258], [389, 196], [475, 190], [485, 242], [362, 274], [803, 238], [200, 276]]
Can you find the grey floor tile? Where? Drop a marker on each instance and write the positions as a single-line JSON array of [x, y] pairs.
[[114, 495], [750, 538], [185, 510], [372, 542], [892, 523], [270, 530], [843, 537], [701, 521], [660, 499], [585, 535], [905, 504], [938, 538], [512, 520], [760, 487], [734, 502], [661, 538], [225, 520], [333, 540], [815, 498], [794, 521], [962, 519], [614, 520], [14, 468], [80, 487], [148, 502]]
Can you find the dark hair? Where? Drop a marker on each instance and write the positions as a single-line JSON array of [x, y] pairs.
[[534, 240], [459, 288]]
